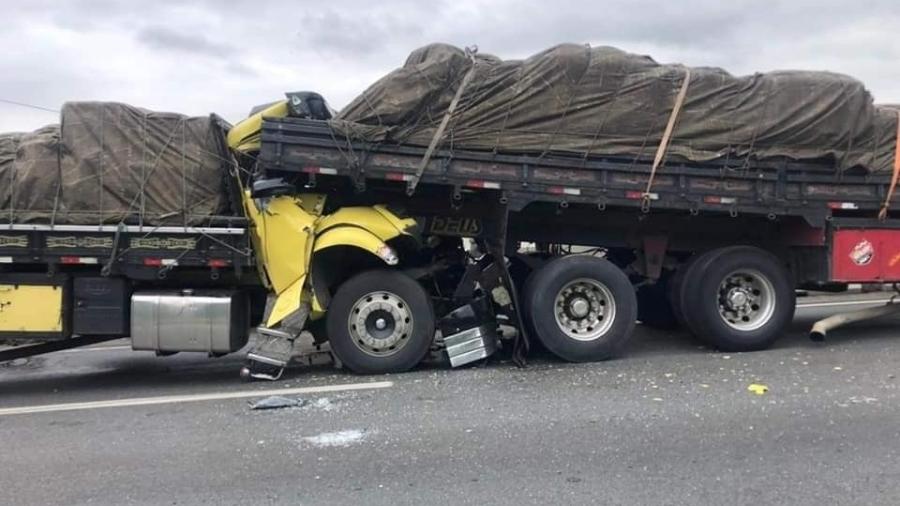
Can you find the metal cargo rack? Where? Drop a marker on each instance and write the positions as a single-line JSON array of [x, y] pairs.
[[812, 190], [132, 250]]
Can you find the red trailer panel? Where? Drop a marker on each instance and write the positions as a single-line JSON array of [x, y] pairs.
[[865, 255]]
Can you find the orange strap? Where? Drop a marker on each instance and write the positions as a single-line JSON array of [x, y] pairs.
[[667, 134], [882, 215]]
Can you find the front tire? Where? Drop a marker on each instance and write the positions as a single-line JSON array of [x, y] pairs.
[[380, 322], [581, 308]]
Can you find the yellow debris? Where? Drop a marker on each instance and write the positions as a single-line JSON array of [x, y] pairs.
[[758, 389]]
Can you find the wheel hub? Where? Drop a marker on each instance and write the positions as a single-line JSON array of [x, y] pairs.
[[380, 323], [579, 307], [584, 309], [737, 298], [746, 300]]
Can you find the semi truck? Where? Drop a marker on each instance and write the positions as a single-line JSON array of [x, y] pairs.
[[379, 253]]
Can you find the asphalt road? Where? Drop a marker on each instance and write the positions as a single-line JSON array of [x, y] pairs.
[[670, 423]]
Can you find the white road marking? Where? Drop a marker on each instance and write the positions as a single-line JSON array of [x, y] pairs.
[[97, 348], [174, 399], [845, 303]]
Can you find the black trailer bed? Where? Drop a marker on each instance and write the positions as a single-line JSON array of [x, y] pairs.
[[813, 190], [138, 252]]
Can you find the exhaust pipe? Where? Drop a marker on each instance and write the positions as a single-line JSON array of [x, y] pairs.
[[822, 327]]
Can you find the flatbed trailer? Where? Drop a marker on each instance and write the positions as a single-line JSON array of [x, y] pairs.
[[774, 225]]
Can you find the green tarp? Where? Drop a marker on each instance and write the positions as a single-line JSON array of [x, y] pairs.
[[603, 101]]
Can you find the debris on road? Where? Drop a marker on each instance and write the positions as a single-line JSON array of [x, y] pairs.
[[336, 439], [758, 389], [277, 402]]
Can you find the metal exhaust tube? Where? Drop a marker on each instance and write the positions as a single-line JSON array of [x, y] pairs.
[[822, 327]]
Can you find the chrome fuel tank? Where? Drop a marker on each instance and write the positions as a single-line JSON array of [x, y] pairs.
[[215, 322]]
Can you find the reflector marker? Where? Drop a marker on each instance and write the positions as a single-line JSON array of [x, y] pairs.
[[564, 190], [398, 176], [638, 195], [312, 169], [157, 262], [842, 205], [6, 260], [713, 199], [478, 183], [79, 260]]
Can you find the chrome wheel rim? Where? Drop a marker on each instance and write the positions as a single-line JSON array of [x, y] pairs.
[[380, 323], [584, 309], [746, 300]]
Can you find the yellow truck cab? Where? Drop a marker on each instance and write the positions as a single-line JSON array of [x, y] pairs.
[[290, 230]]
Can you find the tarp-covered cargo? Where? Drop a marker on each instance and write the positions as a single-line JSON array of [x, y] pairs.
[[111, 163], [604, 101]]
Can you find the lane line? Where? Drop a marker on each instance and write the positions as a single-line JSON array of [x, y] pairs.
[[98, 348], [847, 303], [175, 399]]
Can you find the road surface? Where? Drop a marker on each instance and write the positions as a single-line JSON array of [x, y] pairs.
[[670, 423]]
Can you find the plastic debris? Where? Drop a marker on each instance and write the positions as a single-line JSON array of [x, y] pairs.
[[758, 389], [277, 402]]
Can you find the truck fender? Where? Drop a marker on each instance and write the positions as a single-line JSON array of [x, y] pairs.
[[358, 237]]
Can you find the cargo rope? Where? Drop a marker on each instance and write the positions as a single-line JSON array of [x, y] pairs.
[[411, 187], [667, 136], [882, 214]]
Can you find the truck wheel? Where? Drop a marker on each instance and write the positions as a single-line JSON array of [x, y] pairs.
[[379, 322], [581, 308], [684, 285], [654, 309], [741, 298]]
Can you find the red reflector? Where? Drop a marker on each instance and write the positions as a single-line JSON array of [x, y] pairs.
[[394, 176], [153, 262], [310, 169], [634, 195], [69, 260], [712, 200], [218, 263]]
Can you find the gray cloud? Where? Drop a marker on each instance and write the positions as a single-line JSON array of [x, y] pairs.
[[225, 56], [167, 39]]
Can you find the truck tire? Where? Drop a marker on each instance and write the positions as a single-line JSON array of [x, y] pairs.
[[581, 308], [741, 298], [379, 322], [654, 309], [684, 284]]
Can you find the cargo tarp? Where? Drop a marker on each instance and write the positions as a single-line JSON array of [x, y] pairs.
[[110, 163], [575, 99]]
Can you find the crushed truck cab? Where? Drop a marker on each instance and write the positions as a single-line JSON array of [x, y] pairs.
[[288, 231]]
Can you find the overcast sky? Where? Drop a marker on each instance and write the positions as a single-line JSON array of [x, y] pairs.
[[227, 56]]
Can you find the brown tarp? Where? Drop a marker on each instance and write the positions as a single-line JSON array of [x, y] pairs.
[[604, 101], [9, 144], [110, 162]]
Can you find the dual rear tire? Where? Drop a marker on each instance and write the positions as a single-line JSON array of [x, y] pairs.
[[737, 298], [580, 308]]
